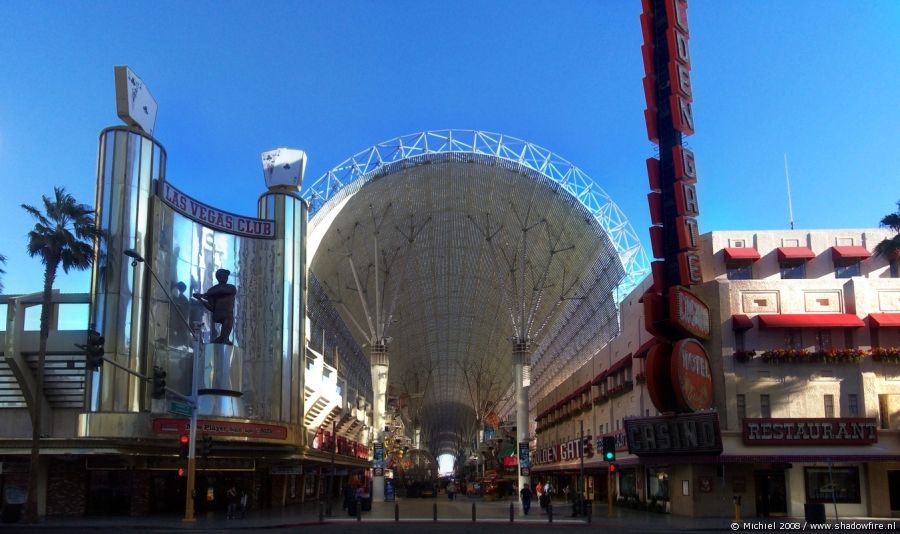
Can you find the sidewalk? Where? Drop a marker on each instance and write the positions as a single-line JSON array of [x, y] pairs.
[[458, 511]]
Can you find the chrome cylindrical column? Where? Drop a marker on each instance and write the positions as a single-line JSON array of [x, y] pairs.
[[128, 163], [290, 213]]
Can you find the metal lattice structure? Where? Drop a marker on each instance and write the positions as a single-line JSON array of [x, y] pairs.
[[568, 176], [437, 249]]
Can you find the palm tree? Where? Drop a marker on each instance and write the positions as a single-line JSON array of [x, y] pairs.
[[2, 262], [64, 234], [890, 247]]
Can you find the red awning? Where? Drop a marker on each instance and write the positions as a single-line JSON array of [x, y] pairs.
[[854, 252], [621, 364], [645, 347], [883, 320], [741, 253], [795, 253], [809, 320], [741, 322]]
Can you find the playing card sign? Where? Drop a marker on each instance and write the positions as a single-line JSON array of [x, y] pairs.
[[134, 103], [284, 167]]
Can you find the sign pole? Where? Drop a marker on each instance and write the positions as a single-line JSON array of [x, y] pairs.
[[192, 446], [580, 488]]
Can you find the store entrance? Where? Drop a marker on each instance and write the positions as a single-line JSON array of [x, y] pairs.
[[894, 490], [771, 493]]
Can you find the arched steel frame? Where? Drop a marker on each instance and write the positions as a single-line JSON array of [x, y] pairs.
[[581, 186]]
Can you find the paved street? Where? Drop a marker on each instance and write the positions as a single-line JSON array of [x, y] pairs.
[[416, 515]]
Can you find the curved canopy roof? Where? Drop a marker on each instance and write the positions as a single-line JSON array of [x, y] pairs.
[[445, 245]]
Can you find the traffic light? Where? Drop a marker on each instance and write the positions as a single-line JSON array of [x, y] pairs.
[[609, 449], [93, 349], [612, 468], [206, 446], [181, 471], [159, 382], [185, 441]]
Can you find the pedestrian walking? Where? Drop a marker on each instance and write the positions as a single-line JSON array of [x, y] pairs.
[[231, 498], [526, 499], [243, 502]]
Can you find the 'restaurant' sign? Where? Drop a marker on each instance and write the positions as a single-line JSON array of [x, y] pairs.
[[213, 217], [164, 425], [815, 431], [696, 433]]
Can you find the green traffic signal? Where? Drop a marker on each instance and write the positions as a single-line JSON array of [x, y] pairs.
[[609, 448]]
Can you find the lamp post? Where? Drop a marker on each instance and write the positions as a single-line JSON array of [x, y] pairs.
[[192, 431]]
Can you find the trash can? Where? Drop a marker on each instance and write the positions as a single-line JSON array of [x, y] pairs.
[[815, 512]]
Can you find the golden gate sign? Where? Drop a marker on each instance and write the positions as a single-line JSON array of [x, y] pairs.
[[679, 380]]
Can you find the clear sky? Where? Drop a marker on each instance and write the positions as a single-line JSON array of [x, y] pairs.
[[816, 79]]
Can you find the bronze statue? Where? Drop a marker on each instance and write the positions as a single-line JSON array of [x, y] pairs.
[[219, 299]]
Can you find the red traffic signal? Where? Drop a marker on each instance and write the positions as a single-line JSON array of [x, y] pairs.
[[612, 468], [185, 441], [181, 471]]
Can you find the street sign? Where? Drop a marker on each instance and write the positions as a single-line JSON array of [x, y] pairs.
[[180, 408]]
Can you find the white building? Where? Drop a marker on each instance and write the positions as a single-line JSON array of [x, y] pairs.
[[804, 350]]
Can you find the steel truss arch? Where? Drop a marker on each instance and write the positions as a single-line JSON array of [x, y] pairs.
[[352, 173]]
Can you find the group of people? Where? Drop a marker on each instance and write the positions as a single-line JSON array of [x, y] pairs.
[[544, 494], [236, 503]]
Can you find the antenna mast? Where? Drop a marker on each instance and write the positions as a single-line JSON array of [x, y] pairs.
[[787, 178]]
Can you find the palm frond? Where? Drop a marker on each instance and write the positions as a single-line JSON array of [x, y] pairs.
[[888, 248]]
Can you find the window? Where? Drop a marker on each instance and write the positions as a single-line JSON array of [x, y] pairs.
[[739, 341], [853, 404], [846, 268], [848, 338], [829, 406], [765, 408], [793, 338], [793, 270], [834, 484], [823, 340], [741, 407], [739, 270]]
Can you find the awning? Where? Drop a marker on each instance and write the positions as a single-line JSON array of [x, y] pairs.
[[809, 320], [883, 320], [795, 253], [741, 253], [741, 322], [849, 252], [642, 351], [621, 364]]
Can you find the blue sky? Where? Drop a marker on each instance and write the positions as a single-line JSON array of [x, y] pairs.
[[816, 79]]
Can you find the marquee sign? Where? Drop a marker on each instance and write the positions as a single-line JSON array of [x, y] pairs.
[[696, 433], [672, 313], [165, 425], [213, 217], [810, 431]]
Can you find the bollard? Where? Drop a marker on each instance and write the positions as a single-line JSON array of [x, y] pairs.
[[321, 512], [358, 510], [511, 513], [434, 509], [396, 511], [473, 511], [550, 512]]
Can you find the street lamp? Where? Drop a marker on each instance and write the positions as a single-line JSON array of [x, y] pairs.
[[194, 397]]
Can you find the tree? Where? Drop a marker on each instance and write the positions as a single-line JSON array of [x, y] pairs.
[[64, 235], [890, 248], [2, 272]]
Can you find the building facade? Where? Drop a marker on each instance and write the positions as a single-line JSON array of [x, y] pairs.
[[804, 355]]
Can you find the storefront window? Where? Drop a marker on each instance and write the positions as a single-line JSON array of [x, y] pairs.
[[658, 484], [627, 486], [837, 484]]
